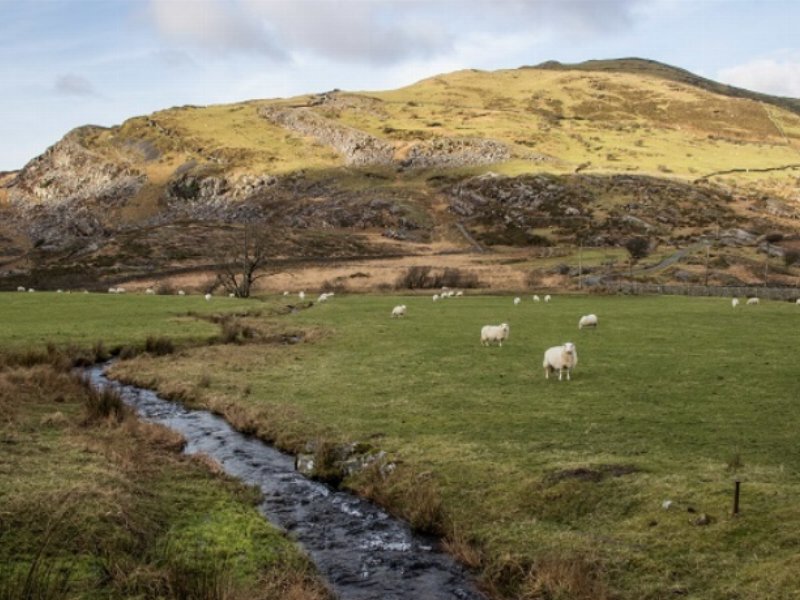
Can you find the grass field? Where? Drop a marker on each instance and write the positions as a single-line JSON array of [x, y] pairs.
[[551, 489], [672, 399]]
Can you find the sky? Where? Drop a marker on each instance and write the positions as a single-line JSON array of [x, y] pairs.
[[66, 63]]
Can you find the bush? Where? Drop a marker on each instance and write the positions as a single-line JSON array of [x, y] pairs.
[[102, 403], [159, 346], [637, 247], [422, 278]]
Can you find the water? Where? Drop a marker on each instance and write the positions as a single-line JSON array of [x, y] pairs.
[[364, 553]]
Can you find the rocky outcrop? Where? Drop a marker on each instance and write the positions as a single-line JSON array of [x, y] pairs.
[[357, 147], [68, 172], [447, 152]]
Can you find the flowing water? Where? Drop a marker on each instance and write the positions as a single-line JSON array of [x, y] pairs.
[[364, 553]]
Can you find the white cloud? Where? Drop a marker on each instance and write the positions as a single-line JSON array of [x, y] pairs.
[[74, 85], [213, 25], [768, 75]]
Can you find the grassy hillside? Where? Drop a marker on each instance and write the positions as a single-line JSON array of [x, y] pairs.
[[550, 488]]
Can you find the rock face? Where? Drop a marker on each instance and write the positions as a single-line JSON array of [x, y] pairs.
[[357, 148], [68, 172]]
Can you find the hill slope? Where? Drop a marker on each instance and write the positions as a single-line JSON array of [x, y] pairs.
[[385, 172]]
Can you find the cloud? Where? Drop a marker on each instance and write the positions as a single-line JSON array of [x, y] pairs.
[[768, 75], [74, 85], [213, 25], [380, 32]]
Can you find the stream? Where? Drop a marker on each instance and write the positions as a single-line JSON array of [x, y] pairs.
[[362, 552]]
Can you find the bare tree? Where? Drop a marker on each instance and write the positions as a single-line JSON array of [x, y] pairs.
[[243, 259]]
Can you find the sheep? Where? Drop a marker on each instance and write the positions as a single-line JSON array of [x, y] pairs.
[[181, 293], [324, 297], [797, 301], [517, 300], [753, 300], [112, 290], [21, 288], [302, 295], [494, 333], [120, 290], [59, 291], [734, 302], [231, 295], [150, 291], [560, 358], [286, 293], [535, 298], [459, 293], [435, 297], [207, 297], [399, 311], [547, 298], [31, 290], [587, 321]]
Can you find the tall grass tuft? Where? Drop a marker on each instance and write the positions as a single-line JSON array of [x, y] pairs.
[[101, 404]]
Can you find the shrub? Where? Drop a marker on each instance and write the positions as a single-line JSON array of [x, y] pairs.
[[103, 403], [158, 346]]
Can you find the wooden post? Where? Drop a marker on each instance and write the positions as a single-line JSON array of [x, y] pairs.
[[736, 497]]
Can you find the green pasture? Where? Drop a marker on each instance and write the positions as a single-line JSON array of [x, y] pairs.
[[672, 399], [32, 320]]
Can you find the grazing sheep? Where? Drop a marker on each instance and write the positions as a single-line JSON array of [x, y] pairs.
[[207, 297], [150, 291], [59, 291], [547, 298], [399, 311], [735, 302], [797, 301], [560, 358], [535, 298], [21, 288], [286, 293], [494, 333], [302, 295], [181, 293], [112, 290], [435, 297], [231, 295], [587, 321], [31, 290], [517, 300], [324, 296], [752, 301], [459, 293], [120, 290]]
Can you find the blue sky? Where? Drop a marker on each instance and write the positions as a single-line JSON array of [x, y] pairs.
[[65, 63]]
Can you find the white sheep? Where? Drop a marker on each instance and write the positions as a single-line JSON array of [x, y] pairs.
[[450, 294], [399, 311], [753, 300], [435, 297], [547, 298], [21, 288], [286, 293], [31, 290], [302, 295], [231, 295], [734, 302], [181, 293], [517, 300], [459, 293], [797, 301], [494, 333], [150, 291], [207, 297], [587, 321], [535, 298], [112, 290], [324, 296], [120, 290], [560, 358], [59, 291]]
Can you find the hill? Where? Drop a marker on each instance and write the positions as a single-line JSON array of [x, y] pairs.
[[512, 160]]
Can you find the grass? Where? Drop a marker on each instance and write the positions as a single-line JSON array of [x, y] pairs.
[[552, 488], [96, 504], [32, 320]]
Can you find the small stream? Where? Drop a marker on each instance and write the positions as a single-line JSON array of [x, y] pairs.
[[361, 551]]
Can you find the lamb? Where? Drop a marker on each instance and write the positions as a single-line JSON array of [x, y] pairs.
[[494, 333], [31, 290], [517, 300], [207, 297], [286, 293], [535, 298], [587, 321], [399, 311], [735, 302], [21, 288], [181, 293], [797, 301], [149, 291], [560, 358], [547, 298], [435, 297], [231, 295], [302, 295], [752, 301]]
